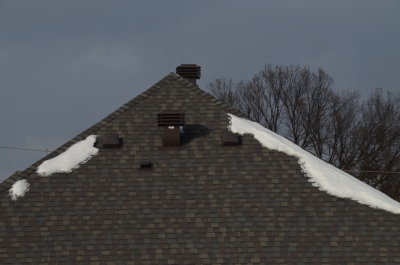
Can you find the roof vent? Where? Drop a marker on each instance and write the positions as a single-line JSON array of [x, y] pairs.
[[171, 121], [230, 139], [146, 165], [109, 141], [191, 72]]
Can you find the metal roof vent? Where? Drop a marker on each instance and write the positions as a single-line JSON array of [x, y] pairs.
[[171, 121], [108, 141], [230, 139], [169, 118], [191, 72]]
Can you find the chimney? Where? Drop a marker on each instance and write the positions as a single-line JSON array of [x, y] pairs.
[[190, 72], [172, 122]]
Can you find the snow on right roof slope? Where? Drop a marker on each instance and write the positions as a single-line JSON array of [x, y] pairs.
[[321, 174]]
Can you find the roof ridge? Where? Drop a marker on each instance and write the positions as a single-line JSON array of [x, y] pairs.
[[9, 181]]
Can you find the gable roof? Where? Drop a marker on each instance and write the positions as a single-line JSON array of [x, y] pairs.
[[201, 203]]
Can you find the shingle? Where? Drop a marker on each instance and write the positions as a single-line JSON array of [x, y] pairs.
[[201, 203]]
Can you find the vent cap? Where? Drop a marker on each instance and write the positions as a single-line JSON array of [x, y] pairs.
[[108, 141], [191, 72], [171, 123], [171, 119], [229, 138]]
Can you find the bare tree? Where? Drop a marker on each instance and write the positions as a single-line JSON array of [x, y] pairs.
[[344, 119], [223, 89], [379, 133], [362, 138]]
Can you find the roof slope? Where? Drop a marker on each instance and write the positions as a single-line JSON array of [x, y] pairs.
[[202, 203], [323, 175]]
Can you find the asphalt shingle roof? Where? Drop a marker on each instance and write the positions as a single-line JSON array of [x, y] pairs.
[[201, 203]]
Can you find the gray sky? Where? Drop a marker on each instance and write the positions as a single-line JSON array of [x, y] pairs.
[[64, 65]]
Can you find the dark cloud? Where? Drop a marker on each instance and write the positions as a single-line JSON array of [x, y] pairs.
[[66, 64]]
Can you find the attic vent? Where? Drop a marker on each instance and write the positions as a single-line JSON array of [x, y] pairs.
[[230, 139], [191, 72], [109, 141], [171, 121]]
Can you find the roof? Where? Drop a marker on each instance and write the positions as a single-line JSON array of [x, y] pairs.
[[201, 203]]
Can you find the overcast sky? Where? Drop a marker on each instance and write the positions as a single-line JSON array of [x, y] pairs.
[[64, 65]]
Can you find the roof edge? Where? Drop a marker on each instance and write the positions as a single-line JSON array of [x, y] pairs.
[[9, 181]]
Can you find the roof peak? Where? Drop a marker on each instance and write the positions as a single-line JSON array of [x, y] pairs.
[[167, 79]]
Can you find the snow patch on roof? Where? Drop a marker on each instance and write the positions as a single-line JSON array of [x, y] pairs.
[[321, 174], [18, 189], [77, 154]]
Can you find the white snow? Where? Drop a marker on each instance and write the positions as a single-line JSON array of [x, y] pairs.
[[79, 153], [321, 174], [18, 189]]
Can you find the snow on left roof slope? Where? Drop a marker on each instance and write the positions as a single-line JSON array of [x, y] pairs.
[[76, 155], [18, 189]]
